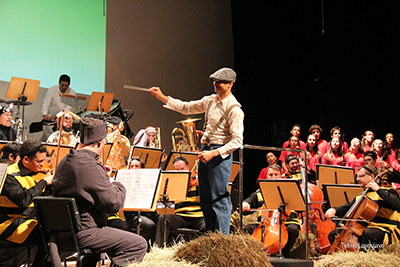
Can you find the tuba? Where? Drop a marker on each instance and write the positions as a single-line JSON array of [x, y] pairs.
[[185, 138]]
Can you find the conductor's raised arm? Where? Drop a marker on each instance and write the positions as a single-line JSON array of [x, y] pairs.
[[156, 91]]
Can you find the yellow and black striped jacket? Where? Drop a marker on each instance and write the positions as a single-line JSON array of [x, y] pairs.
[[387, 218], [190, 207], [17, 214]]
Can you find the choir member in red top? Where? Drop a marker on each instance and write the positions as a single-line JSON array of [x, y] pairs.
[[337, 132], [316, 130], [377, 146], [313, 154], [396, 163], [271, 160], [355, 157], [295, 132], [293, 144], [366, 140], [389, 148], [335, 154]]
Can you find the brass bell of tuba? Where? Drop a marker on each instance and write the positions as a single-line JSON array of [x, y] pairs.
[[185, 138]]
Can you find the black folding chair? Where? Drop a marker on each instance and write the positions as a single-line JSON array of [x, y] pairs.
[[60, 215]]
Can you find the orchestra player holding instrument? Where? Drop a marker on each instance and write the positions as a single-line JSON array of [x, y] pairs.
[[383, 229], [223, 134], [18, 222]]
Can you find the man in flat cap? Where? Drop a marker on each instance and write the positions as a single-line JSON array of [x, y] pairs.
[[223, 134], [82, 176]]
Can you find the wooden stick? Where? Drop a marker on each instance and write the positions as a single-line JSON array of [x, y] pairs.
[[137, 88]]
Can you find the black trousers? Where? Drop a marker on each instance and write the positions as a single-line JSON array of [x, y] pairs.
[[173, 222]]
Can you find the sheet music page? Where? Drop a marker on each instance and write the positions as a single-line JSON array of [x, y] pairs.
[[76, 104], [3, 171], [141, 185]]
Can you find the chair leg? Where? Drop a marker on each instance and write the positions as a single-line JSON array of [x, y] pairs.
[[79, 260]]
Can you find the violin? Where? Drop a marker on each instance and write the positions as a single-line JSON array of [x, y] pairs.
[[356, 219], [268, 231], [46, 170]]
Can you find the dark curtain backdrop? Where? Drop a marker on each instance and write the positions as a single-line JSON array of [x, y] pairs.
[[292, 73], [172, 44]]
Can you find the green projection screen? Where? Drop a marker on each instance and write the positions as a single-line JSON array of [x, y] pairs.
[[43, 39]]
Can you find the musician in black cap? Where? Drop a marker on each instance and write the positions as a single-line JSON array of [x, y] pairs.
[[7, 133], [82, 176], [223, 134]]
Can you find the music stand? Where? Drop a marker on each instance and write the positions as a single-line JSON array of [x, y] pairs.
[[191, 157], [328, 174], [173, 188], [144, 187], [52, 150], [97, 98], [235, 171], [23, 90], [282, 195], [339, 195], [74, 101], [106, 152], [150, 156]]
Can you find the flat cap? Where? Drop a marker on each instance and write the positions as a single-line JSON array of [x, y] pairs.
[[224, 74]]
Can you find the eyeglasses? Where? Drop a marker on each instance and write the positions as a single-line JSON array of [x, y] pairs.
[[6, 114], [40, 162]]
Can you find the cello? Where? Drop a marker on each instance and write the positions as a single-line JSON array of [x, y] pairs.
[[268, 231], [319, 226], [354, 222]]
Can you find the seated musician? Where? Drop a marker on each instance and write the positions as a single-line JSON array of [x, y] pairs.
[[370, 157], [383, 229], [18, 222], [271, 160], [7, 133], [80, 175], [188, 214], [292, 223], [146, 137], [67, 134], [292, 165], [121, 145], [10, 153], [136, 163]]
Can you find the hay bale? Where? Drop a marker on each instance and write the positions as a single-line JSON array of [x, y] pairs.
[[216, 249], [298, 250], [358, 259], [248, 219], [163, 257], [391, 249]]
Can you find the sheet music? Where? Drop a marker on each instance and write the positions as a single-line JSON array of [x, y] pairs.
[[141, 187], [3, 171], [74, 103]]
